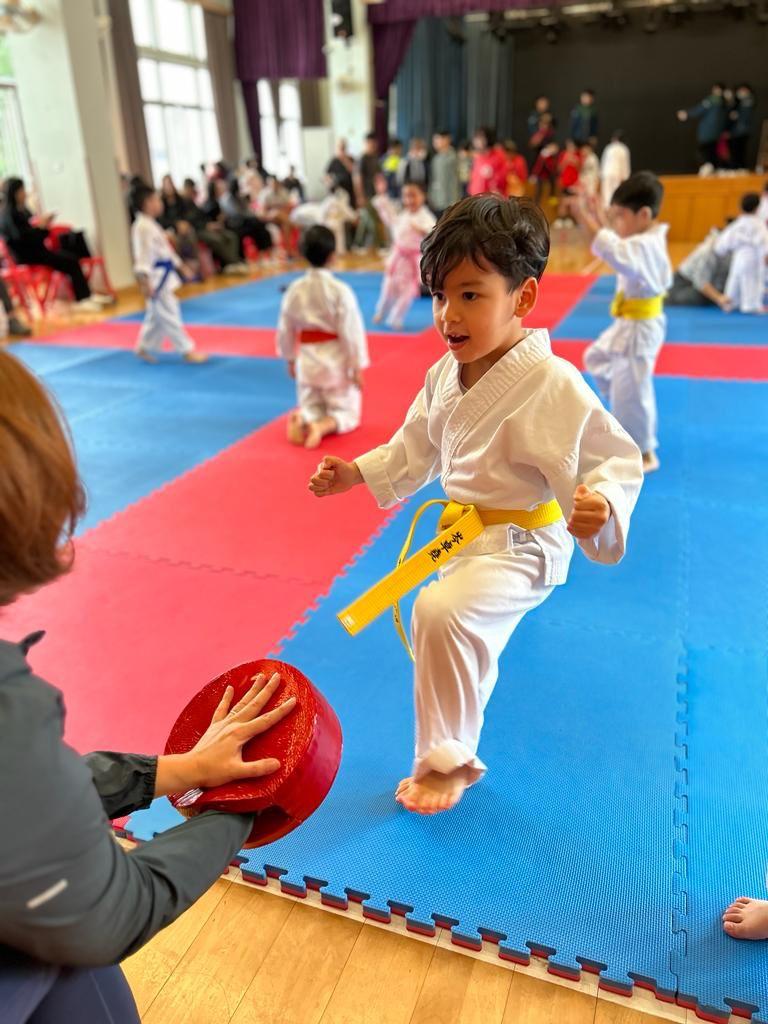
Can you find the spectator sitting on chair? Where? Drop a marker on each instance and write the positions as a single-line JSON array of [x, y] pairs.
[[174, 220], [223, 205], [15, 327], [223, 243], [293, 184], [27, 245]]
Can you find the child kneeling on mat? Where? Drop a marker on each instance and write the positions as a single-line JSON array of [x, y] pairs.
[[322, 338], [159, 272], [515, 431]]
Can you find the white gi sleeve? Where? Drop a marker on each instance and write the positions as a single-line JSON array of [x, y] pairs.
[[602, 456], [408, 461], [627, 256], [352, 330], [286, 340], [726, 241], [141, 243], [385, 209]]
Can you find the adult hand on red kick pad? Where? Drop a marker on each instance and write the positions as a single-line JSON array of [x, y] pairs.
[[218, 754], [255, 758]]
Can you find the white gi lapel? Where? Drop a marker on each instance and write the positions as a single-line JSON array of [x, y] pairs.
[[497, 381]]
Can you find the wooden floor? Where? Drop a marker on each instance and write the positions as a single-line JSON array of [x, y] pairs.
[[248, 956]]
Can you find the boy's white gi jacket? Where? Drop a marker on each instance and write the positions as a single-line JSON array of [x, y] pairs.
[[152, 252], [318, 301], [644, 271], [531, 429]]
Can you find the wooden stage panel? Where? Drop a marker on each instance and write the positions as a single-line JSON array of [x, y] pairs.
[[692, 205]]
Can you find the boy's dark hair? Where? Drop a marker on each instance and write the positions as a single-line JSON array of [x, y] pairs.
[[750, 202], [140, 194], [416, 184], [319, 245], [372, 137], [189, 183], [509, 235], [641, 189]]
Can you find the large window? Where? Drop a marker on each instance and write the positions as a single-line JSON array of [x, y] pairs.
[[280, 113], [175, 87], [14, 159]]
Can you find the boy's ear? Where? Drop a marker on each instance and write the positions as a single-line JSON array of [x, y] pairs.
[[527, 294], [647, 213]]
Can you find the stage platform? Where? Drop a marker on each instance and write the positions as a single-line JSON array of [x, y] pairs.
[[692, 205]]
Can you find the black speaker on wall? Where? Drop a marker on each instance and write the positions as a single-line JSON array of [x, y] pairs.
[[341, 18]]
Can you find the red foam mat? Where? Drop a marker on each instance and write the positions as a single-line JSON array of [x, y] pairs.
[[129, 641], [717, 362], [224, 341], [558, 294], [249, 508]]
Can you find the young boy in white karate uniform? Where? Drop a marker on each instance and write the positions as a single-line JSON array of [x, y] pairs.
[[615, 166], [623, 358], [322, 338], [747, 239], [505, 425], [159, 272], [408, 228]]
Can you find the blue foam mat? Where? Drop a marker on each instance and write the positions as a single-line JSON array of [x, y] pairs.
[[137, 427], [257, 304], [700, 325], [628, 785]]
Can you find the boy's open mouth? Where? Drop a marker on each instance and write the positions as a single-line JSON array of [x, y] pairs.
[[456, 340]]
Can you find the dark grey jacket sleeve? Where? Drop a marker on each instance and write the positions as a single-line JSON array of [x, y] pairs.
[[125, 782], [69, 894]]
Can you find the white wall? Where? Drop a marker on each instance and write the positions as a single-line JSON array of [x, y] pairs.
[[65, 105], [350, 79]]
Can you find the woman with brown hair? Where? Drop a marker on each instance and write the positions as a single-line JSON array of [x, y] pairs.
[[73, 903]]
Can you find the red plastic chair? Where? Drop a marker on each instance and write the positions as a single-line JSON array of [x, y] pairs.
[[89, 264], [26, 280]]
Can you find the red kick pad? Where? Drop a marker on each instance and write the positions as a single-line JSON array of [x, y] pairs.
[[307, 743]]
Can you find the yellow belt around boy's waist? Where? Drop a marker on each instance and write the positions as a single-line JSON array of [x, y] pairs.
[[459, 525], [637, 309]]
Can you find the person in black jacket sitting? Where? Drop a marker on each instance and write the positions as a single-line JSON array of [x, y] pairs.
[[27, 244], [223, 243]]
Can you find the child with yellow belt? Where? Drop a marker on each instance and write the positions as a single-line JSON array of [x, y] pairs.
[[623, 358], [514, 431]]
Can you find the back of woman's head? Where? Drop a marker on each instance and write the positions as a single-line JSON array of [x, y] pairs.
[[11, 188], [41, 497]]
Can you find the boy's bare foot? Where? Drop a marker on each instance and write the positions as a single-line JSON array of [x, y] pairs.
[[196, 357], [318, 430], [650, 462], [314, 435], [726, 304], [747, 919], [434, 792], [297, 429], [145, 354], [377, 318]]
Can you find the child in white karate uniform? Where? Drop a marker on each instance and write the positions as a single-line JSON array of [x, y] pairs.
[[623, 358], [322, 338], [159, 272], [747, 239], [408, 228], [505, 425]]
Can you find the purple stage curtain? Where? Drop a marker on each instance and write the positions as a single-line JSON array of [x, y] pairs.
[[252, 113], [279, 39], [276, 39], [412, 10], [390, 45]]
